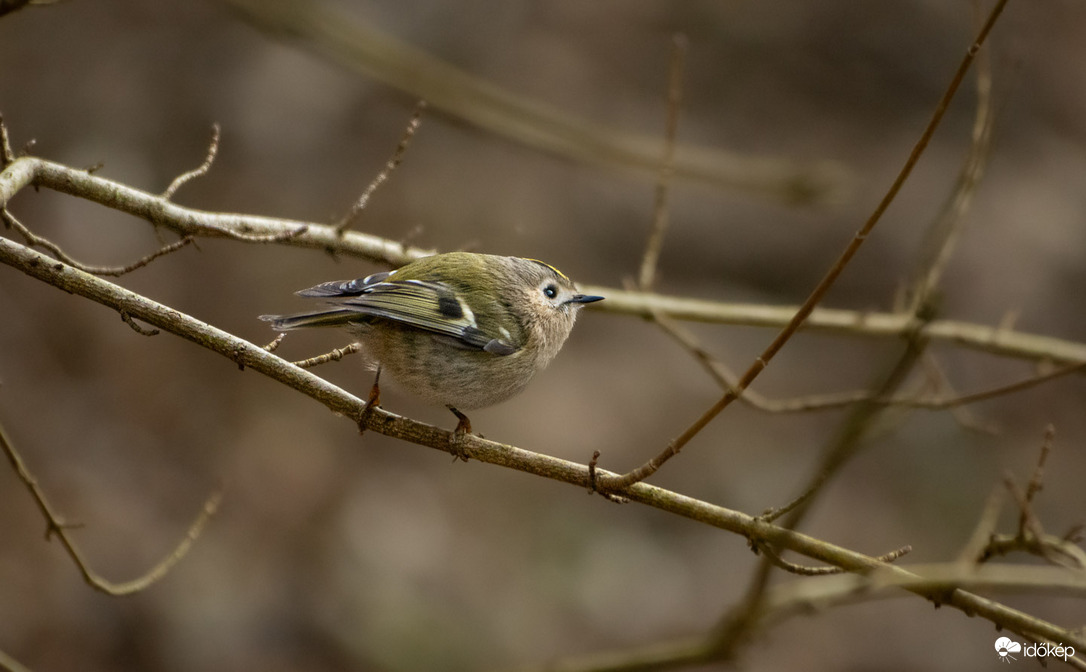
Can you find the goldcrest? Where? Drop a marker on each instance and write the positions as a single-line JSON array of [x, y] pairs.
[[459, 329]]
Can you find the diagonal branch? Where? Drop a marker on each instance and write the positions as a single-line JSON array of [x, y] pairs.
[[392, 164], [803, 596], [34, 240], [55, 526], [256, 358], [184, 221], [321, 27], [661, 216], [941, 237], [762, 361]]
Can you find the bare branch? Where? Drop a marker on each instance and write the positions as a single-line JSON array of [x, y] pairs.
[[1001, 341], [192, 222], [7, 157], [34, 240], [942, 385], [762, 361], [333, 356], [667, 166], [55, 526], [803, 596], [994, 339], [376, 54], [390, 165], [1030, 536], [127, 319], [727, 379], [793, 568], [973, 551], [274, 345], [592, 489], [181, 180], [942, 236], [1036, 481], [259, 360], [804, 570]]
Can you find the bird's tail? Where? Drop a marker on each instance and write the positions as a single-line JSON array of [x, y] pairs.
[[336, 317]]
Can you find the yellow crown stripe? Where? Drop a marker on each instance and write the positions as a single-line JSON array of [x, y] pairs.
[[556, 271]]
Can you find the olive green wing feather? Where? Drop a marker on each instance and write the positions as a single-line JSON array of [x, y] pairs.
[[430, 306]]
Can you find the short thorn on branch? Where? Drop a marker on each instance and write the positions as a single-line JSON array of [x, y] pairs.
[[274, 345]]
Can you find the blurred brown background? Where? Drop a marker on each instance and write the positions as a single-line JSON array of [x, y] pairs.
[[334, 553]]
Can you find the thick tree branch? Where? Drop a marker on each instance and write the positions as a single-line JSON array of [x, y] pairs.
[[29, 171], [997, 340], [323, 28], [254, 357]]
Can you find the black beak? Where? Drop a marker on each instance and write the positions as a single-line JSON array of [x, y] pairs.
[[584, 298]]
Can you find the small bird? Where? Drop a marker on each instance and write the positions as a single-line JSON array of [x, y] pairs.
[[460, 329]]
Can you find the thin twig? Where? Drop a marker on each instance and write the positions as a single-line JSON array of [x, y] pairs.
[[800, 598], [274, 345], [806, 570], [1055, 550], [7, 157], [35, 240], [942, 385], [140, 263], [142, 331], [973, 551], [182, 179], [390, 165], [777, 561], [55, 526], [942, 236], [849, 438], [333, 356], [1036, 481], [1030, 536], [992, 393], [762, 361], [727, 379], [661, 216]]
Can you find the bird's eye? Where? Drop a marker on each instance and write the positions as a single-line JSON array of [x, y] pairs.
[[550, 291]]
